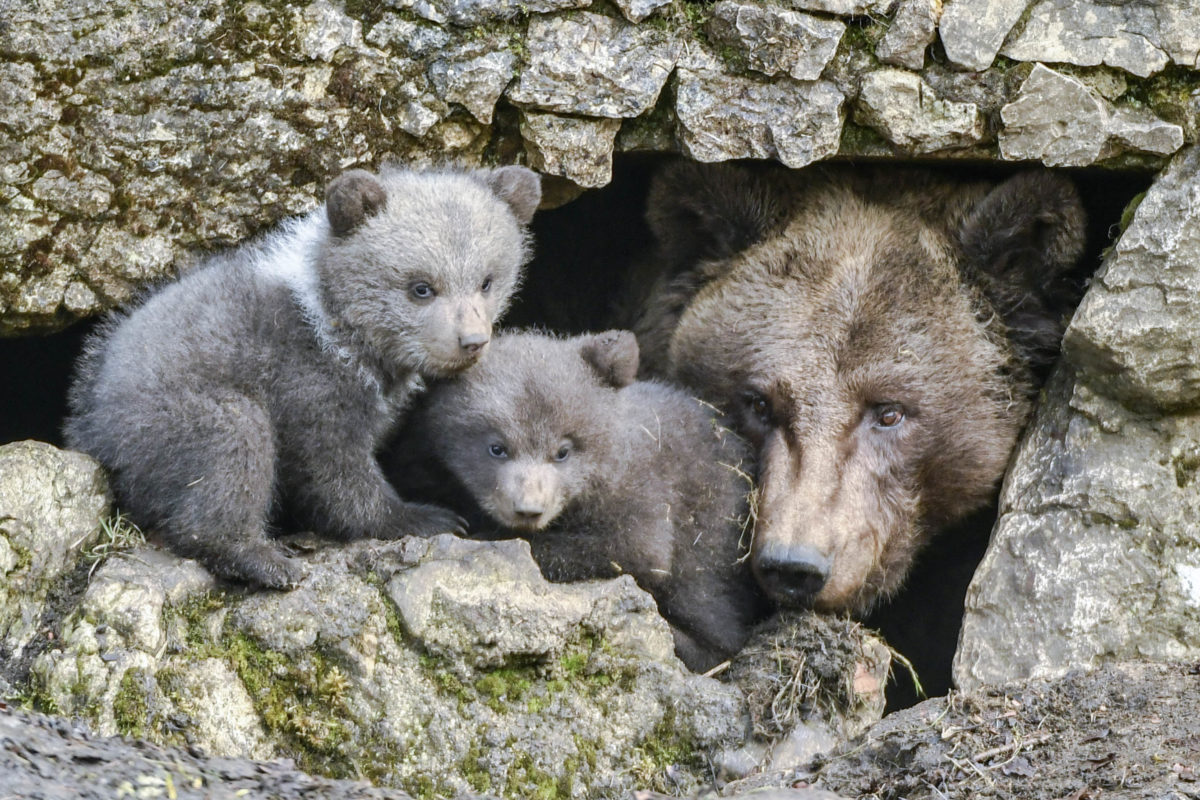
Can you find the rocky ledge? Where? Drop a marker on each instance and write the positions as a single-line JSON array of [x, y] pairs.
[[443, 667]]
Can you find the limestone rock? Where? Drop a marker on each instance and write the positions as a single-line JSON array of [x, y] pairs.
[[413, 39], [323, 29], [845, 8], [623, 66], [1135, 334], [574, 148], [1138, 130], [1096, 554], [51, 505], [1139, 38], [638, 10], [122, 166], [474, 76], [723, 116], [469, 13], [774, 40], [1057, 119], [438, 662], [908, 113], [913, 29], [119, 163], [48, 757], [972, 31]]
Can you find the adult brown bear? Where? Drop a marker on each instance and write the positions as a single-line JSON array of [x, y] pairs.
[[873, 334]]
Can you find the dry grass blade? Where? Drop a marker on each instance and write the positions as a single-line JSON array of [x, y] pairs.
[[117, 533]]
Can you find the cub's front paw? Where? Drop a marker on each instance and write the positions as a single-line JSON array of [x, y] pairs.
[[263, 566], [420, 519]]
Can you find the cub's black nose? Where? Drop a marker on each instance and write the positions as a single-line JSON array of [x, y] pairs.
[[792, 576]]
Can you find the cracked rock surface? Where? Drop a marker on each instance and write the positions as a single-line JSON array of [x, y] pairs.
[[122, 165]]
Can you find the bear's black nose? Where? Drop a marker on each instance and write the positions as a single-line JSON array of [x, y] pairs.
[[792, 576]]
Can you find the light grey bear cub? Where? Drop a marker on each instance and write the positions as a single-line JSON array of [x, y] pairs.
[[553, 440], [263, 382]]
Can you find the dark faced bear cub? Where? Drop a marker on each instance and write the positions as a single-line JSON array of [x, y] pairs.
[[553, 440], [267, 377], [873, 334]]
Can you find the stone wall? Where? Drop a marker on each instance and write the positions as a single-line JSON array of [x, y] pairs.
[[133, 134]]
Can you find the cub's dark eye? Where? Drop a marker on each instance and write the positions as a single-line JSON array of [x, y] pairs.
[[888, 415], [486, 286], [758, 406], [497, 451], [421, 291], [563, 453]]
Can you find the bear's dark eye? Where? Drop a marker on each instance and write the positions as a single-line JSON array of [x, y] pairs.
[[487, 285], [888, 415], [563, 453], [421, 291], [498, 451], [758, 406]]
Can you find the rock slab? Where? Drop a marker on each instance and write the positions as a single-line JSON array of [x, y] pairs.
[[51, 505], [438, 662], [724, 116], [1060, 121], [908, 113], [1135, 334], [1141, 38]]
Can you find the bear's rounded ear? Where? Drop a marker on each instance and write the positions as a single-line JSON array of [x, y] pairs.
[[352, 199], [1021, 242], [710, 211], [613, 355], [520, 187]]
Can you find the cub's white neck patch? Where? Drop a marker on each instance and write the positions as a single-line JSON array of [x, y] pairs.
[[289, 256]]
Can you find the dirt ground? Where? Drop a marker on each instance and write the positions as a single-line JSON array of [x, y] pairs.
[[1127, 731]]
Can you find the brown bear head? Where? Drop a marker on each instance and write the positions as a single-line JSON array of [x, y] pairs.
[[873, 335]]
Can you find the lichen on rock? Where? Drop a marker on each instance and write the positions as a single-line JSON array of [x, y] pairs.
[[441, 663]]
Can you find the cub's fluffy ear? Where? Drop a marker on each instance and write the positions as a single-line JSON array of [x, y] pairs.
[[710, 211], [1021, 241], [520, 187], [613, 355], [352, 199]]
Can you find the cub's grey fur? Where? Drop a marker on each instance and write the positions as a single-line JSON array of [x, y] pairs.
[[265, 380], [555, 442]]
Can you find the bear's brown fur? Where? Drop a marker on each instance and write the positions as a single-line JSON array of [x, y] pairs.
[[874, 333]]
